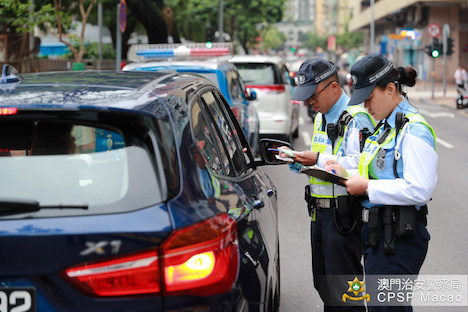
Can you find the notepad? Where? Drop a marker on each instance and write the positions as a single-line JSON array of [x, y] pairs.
[[323, 174]]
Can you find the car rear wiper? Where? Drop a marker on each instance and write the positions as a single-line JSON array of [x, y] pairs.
[[11, 206]]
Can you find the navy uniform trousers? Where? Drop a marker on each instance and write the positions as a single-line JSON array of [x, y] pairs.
[[407, 260], [336, 259]]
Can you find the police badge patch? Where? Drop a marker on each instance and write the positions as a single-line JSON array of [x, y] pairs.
[[380, 159], [301, 79]]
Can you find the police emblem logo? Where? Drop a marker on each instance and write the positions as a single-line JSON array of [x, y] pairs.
[[380, 159], [301, 79], [354, 78]]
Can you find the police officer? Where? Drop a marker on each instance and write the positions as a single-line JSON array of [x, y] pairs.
[[397, 172], [335, 233]]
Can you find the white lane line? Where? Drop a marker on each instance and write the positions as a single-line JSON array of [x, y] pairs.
[[444, 143], [437, 114], [306, 138]]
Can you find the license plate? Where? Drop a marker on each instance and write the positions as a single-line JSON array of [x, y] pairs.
[[18, 299]]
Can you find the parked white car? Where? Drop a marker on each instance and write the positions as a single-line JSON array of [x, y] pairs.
[[274, 86]]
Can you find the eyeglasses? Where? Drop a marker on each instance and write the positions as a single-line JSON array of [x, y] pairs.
[[315, 95]]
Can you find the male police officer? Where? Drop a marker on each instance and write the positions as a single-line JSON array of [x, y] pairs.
[[335, 230]]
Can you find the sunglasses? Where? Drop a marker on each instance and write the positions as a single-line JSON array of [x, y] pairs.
[[315, 95]]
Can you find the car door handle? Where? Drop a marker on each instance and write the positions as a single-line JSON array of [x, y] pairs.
[[258, 203], [270, 192]]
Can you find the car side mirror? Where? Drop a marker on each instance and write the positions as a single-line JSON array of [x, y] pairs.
[[269, 152], [252, 95]]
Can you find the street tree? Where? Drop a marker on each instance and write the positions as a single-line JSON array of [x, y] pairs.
[[243, 19], [61, 23], [16, 25], [273, 39]]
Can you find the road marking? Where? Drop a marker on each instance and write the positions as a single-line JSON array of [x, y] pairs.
[[437, 115], [306, 138], [444, 143], [301, 120]]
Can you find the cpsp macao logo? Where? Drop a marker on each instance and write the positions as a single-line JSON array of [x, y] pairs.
[[356, 286]]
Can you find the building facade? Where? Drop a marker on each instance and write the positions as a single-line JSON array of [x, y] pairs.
[[401, 32]]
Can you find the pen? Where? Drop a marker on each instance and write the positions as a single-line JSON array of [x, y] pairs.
[[273, 149], [337, 159]]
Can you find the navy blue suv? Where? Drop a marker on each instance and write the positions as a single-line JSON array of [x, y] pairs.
[[132, 191]]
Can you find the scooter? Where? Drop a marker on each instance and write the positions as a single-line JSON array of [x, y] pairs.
[[462, 99]]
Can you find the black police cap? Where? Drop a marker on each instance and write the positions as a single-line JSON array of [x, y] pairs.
[[310, 74], [366, 73]]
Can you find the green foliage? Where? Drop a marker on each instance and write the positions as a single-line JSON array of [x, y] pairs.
[[311, 41], [241, 17], [350, 40], [16, 13], [92, 51], [273, 39]]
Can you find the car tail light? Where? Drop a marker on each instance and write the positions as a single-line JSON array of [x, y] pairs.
[[202, 260], [130, 275], [8, 111], [269, 88]]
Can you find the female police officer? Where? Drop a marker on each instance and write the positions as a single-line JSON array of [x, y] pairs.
[[397, 171]]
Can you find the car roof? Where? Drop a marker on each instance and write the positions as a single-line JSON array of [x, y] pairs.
[[257, 59], [198, 65], [98, 89]]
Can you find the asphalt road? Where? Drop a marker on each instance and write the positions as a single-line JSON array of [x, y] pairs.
[[448, 217]]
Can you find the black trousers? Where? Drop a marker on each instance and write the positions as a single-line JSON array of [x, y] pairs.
[[407, 260], [336, 259]]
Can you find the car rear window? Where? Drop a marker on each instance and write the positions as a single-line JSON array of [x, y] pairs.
[[258, 73], [81, 169]]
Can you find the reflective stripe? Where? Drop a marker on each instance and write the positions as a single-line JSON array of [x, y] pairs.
[[371, 147], [320, 188]]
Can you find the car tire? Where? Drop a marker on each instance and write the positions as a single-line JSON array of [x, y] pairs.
[[459, 103]]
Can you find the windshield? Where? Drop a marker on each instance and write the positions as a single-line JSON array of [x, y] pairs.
[[256, 73], [66, 164]]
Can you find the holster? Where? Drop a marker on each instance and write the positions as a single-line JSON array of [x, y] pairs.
[[344, 214], [394, 221], [374, 227], [389, 229], [311, 203]]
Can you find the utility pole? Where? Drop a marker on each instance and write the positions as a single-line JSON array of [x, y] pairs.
[[221, 22], [445, 35], [118, 41], [372, 27], [100, 33]]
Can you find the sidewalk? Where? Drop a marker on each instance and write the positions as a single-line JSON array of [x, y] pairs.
[[422, 91]]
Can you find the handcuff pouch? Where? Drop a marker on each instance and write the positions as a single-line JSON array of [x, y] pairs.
[[406, 218]]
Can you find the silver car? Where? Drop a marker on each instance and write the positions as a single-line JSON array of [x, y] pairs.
[[274, 86]]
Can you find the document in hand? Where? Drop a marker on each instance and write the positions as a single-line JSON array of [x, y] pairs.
[[323, 174]]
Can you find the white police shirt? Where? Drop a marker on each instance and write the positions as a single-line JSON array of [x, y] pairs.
[[417, 167]]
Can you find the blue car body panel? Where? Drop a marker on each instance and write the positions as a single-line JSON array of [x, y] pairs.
[[36, 251]]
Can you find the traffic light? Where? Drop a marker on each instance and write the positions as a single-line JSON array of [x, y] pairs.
[[435, 48], [449, 46], [293, 48]]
